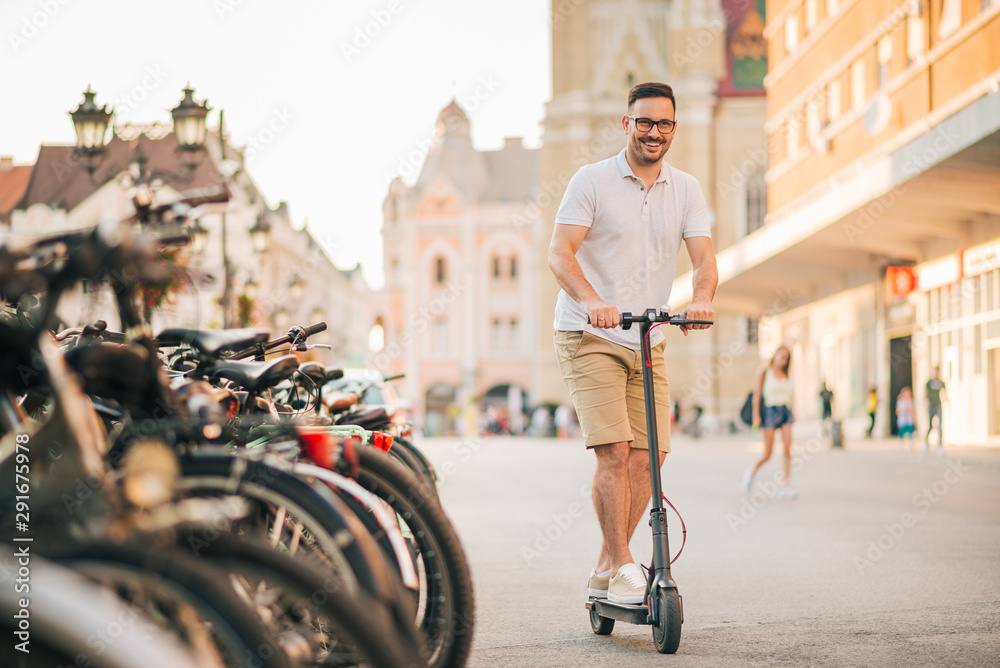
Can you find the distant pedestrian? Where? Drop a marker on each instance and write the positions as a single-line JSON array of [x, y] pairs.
[[774, 384], [564, 421], [826, 396], [905, 412], [872, 409], [935, 390]]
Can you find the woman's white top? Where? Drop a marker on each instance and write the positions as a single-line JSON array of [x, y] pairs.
[[777, 391]]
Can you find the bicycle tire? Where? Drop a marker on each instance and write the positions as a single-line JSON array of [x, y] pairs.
[[75, 621], [220, 473], [321, 511], [402, 451], [365, 621], [425, 468], [192, 582], [449, 626]]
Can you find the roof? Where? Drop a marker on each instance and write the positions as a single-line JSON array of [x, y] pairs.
[[512, 173], [509, 174], [60, 178], [13, 183]]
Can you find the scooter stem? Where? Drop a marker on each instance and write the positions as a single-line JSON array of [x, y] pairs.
[[658, 515]]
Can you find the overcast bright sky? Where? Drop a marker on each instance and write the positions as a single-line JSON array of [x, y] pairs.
[[341, 109]]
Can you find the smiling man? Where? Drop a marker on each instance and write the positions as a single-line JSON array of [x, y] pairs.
[[614, 249]]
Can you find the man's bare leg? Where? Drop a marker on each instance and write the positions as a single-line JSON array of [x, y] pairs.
[[611, 496], [641, 486], [639, 495]]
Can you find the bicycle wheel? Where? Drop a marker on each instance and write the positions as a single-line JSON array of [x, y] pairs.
[[416, 461], [297, 517], [289, 512], [75, 621], [180, 593], [308, 612], [446, 607]]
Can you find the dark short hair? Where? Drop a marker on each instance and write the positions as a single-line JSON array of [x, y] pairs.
[[651, 89]]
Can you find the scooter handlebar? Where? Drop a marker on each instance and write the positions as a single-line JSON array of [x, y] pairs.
[[653, 316]]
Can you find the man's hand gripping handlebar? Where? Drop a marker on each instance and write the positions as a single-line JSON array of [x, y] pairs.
[[662, 316]]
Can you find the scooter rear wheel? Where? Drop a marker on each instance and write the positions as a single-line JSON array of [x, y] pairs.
[[667, 632], [602, 626]]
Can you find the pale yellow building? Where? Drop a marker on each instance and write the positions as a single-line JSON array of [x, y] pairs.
[[460, 305], [713, 54], [883, 130]]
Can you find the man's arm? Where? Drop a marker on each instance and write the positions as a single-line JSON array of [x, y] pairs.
[[566, 240], [704, 279]]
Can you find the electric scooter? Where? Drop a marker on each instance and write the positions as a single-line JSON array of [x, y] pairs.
[[663, 609]]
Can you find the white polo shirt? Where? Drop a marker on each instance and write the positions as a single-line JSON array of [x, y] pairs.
[[630, 252]]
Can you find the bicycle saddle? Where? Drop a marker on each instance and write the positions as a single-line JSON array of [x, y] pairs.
[[212, 343], [255, 376]]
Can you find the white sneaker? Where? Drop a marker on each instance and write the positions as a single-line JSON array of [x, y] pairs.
[[628, 585], [940, 451], [747, 481], [787, 493], [597, 587]]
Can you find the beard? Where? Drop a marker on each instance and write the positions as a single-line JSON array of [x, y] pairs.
[[643, 155]]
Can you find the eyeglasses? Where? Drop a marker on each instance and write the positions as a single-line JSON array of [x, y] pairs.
[[646, 124]]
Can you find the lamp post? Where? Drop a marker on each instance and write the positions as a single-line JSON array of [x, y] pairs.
[[91, 125], [91, 121], [260, 233]]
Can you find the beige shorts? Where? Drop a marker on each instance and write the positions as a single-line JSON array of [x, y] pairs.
[[605, 381]]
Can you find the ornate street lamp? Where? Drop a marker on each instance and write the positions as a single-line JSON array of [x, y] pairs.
[[260, 233], [189, 121], [91, 125], [199, 237], [296, 288]]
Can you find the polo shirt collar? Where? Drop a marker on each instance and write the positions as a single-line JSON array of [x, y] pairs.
[[626, 170]]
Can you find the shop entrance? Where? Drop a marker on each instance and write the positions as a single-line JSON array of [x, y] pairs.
[[900, 374]]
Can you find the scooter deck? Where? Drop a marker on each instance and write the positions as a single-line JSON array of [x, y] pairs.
[[633, 613]]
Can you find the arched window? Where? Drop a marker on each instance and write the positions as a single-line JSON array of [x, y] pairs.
[[513, 267], [440, 271], [756, 202], [496, 267]]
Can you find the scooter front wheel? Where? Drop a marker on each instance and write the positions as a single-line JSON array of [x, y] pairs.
[[602, 626], [667, 631]]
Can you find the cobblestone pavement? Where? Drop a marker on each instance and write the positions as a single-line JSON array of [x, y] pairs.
[[887, 558]]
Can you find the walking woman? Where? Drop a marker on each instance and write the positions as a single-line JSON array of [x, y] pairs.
[[774, 384]]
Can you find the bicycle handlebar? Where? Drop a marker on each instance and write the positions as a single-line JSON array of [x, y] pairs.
[[314, 329], [296, 337]]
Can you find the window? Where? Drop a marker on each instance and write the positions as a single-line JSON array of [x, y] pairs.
[[496, 268], [753, 328], [857, 84], [792, 136], [951, 17], [813, 126], [884, 52], [496, 335], [440, 336], [833, 107], [811, 15], [756, 204], [514, 343], [440, 271], [513, 268], [914, 34], [791, 33]]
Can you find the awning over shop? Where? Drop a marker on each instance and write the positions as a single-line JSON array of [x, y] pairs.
[[937, 194]]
